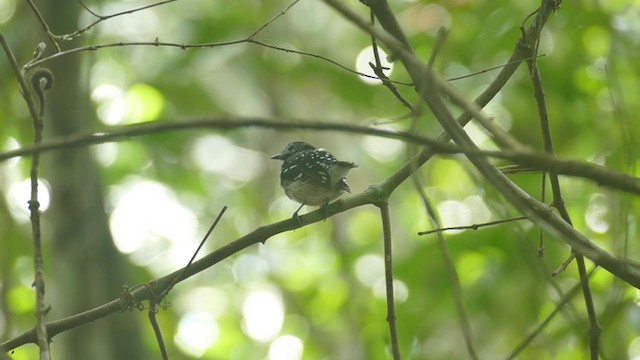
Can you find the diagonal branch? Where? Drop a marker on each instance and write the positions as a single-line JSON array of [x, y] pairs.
[[539, 213]]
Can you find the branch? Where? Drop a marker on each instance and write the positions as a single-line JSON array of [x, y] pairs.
[[41, 81], [470, 227], [454, 279], [102, 18], [538, 90], [539, 213], [44, 24], [148, 291], [388, 275], [597, 173], [566, 299]]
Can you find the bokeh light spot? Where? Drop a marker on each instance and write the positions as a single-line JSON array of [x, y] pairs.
[[287, 347], [263, 315], [365, 57]]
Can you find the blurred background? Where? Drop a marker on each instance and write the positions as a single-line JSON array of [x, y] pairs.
[[127, 212]]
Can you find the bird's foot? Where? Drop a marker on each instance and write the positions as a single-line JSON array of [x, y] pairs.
[[325, 208], [295, 216]]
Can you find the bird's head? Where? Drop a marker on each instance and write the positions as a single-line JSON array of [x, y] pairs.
[[293, 148]]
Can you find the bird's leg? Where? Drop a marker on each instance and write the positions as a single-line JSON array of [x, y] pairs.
[[325, 208], [295, 215]]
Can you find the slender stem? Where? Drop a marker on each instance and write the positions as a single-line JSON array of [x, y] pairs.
[[454, 279], [34, 205], [388, 274], [558, 202], [156, 328], [193, 257]]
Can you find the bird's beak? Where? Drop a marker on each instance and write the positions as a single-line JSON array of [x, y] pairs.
[[278, 156]]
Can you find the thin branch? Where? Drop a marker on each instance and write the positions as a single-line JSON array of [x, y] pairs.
[[597, 173], [388, 275], [151, 289], [454, 279], [193, 257], [373, 195], [543, 324], [514, 62], [558, 202], [44, 24], [34, 205], [102, 18], [158, 43], [543, 195], [471, 227], [539, 213], [521, 52], [378, 69], [249, 39], [282, 13], [152, 311]]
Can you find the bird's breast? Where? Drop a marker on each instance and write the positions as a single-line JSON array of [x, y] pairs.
[[309, 193]]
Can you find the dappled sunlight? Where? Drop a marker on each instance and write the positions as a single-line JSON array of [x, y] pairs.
[[218, 155], [7, 9], [287, 347], [250, 269], [454, 213], [365, 57], [19, 195], [381, 149], [138, 103], [147, 218], [164, 112], [262, 314], [209, 299], [111, 103], [400, 290], [596, 216], [369, 269], [197, 331]]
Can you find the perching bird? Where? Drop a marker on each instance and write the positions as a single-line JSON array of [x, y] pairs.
[[312, 176]]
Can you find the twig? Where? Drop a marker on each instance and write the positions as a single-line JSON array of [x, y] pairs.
[[249, 39], [471, 227], [282, 13], [388, 275], [156, 328], [543, 195], [558, 202], [206, 236], [454, 279], [158, 43], [102, 18], [154, 299], [44, 24], [379, 71], [514, 62], [535, 332]]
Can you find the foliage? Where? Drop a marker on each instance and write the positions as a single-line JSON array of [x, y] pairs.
[[318, 291]]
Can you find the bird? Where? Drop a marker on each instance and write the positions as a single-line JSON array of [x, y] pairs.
[[312, 176]]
